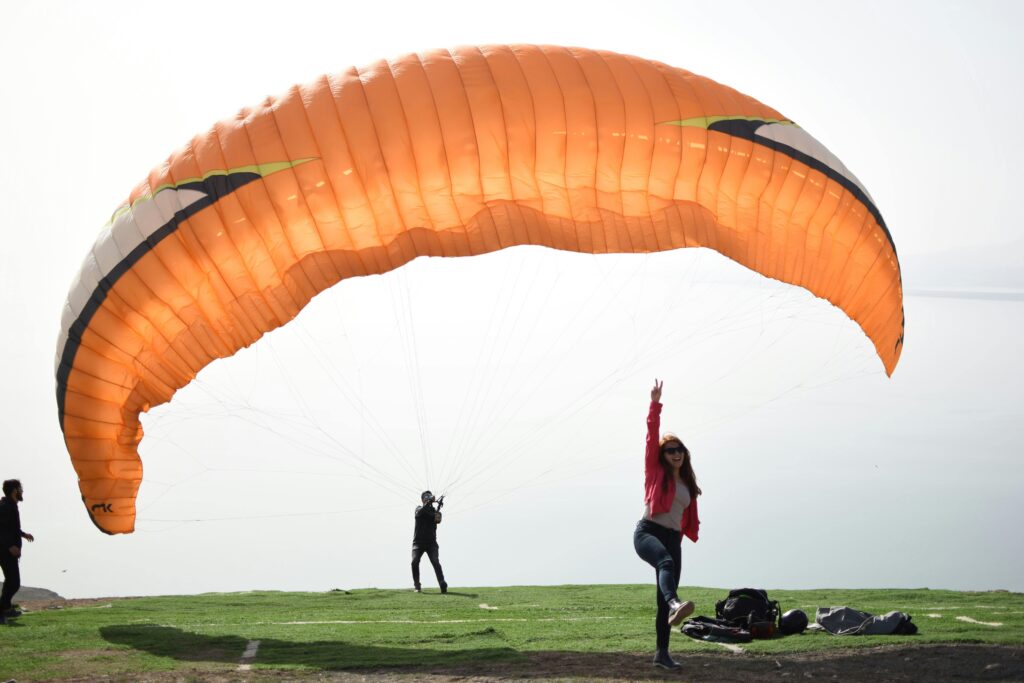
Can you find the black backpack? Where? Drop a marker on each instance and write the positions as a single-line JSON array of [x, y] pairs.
[[905, 627], [745, 607]]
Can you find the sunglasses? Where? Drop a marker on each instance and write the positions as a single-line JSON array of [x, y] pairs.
[[672, 450]]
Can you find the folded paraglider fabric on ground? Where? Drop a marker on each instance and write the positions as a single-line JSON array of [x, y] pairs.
[[845, 621], [715, 630]]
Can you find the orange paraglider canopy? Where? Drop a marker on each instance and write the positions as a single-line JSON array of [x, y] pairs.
[[443, 153]]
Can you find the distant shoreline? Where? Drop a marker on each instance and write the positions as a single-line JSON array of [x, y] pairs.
[[989, 294]]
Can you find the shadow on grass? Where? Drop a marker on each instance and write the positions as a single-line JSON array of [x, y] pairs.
[[938, 662], [166, 641]]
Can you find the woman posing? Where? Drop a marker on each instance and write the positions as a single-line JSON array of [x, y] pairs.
[[670, 512]]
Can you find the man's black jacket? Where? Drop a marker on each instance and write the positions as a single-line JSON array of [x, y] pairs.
[[425, 534], [10, 524]]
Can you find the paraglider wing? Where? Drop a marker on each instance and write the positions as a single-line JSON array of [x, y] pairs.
[[445, 153]]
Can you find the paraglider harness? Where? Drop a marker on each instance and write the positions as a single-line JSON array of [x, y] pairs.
[[745, 614]]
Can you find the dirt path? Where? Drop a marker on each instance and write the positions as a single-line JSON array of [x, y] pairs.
[[915, 663], [926, 663]]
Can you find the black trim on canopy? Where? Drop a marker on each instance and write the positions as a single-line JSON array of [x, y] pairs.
[[747, 130], [215, 187]]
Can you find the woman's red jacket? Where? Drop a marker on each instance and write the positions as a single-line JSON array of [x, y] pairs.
[[660, 499]]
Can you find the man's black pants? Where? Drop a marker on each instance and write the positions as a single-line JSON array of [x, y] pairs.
[[431, 551], [12, 578]]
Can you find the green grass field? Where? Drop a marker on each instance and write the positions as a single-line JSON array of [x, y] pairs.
[[309, 633]]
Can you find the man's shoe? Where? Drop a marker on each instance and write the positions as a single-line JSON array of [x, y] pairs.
[[417, 589], [13, 612], [677, 611], [663, 660], [3, 620], [444, 587]]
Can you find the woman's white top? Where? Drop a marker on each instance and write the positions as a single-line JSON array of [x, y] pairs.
[[673, 519]]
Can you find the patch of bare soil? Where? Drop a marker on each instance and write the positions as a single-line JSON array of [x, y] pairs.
[[931, 663], [59, 603], [913, 663]]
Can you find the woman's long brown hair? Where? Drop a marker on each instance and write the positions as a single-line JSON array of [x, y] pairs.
[[685, 470]]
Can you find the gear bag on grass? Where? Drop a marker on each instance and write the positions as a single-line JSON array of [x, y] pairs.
[[746, 606], [845, 621], [714, 630]]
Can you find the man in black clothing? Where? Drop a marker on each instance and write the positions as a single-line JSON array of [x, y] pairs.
[[10, 545], [424, 539]]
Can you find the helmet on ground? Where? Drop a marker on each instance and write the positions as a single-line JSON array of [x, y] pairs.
[[794, 621]]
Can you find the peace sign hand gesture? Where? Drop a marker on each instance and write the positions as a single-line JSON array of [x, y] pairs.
[[656, 391]]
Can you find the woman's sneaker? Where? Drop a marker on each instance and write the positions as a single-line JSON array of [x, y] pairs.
[[677, 611], [665, 661]]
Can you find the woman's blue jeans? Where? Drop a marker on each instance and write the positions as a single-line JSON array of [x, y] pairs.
[[659, 547]]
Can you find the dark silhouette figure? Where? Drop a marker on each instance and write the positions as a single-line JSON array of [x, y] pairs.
[[424, 539], [10, 545]]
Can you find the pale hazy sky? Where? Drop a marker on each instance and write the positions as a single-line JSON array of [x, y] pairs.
[[518, 382]]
